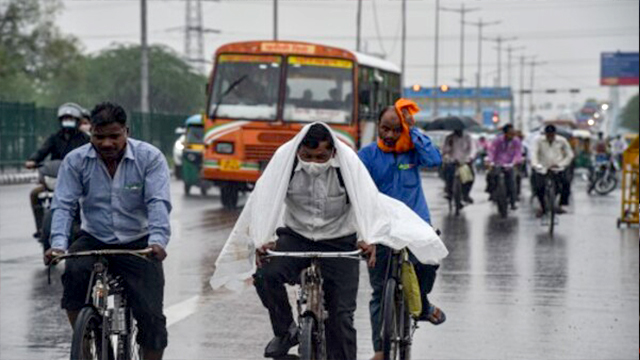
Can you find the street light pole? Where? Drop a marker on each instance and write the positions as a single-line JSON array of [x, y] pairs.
[[144, 59], [462, 11], [533, 64], [359, 25], [275, 20], [480, 24], [510, 50], [499, 40], [404, 43], [435, 62]]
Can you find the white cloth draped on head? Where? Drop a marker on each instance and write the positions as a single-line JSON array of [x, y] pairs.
[[379, 219]]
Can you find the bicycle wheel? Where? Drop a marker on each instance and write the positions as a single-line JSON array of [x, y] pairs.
[[551, 206], [404, 330], [308, 349], [390, 335], [457, 194], [87, 340], [500, 197]]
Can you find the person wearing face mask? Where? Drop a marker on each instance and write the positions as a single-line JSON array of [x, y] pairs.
[[57, 146], [318, 217], [85, 122]]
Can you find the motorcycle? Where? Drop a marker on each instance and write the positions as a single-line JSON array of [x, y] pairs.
[[47, 176], [603, 175]]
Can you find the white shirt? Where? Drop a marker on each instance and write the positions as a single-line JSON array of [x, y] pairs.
[[545, 155], [317, 205]]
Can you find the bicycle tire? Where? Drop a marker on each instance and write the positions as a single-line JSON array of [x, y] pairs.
[[87, 340], [308, 349], [551, 208], [404, 328], [389, 321], [501, 198], [457, 195]]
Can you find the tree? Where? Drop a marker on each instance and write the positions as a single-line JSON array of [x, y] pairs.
[[32, 49], [630, 117], [114, 75]]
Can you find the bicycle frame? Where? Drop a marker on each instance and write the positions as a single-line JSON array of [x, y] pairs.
[[107, 296], [310, 300]]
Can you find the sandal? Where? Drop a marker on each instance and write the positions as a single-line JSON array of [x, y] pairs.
[[435, 315]]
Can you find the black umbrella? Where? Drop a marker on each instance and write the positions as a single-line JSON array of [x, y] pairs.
[[451, 123]]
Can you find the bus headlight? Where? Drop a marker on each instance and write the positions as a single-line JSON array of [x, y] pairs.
[[224, 148]]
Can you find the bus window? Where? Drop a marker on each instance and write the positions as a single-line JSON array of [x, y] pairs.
[[319, 89], [255, 95]]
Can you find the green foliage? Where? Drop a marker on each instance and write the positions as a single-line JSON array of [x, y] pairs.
[[114, 75], [630, 117]]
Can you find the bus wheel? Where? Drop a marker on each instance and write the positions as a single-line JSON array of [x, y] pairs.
[[229, 195]]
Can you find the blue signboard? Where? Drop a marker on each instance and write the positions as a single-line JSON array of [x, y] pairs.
[[619, 68], [503, 93]]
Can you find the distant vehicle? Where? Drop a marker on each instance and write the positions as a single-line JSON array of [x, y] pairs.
[[263, 92], [192, 155], [178, 147]]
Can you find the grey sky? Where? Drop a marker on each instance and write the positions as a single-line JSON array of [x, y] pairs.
[[568, 34]]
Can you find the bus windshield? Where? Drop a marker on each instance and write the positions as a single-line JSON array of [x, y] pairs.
[[255, 94], [319, 89]]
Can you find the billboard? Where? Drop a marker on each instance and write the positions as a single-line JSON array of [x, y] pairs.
[[619, 68]]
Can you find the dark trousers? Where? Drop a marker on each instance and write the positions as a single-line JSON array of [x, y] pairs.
[[340, 288], [377, 278], [449, 175], [143, 283], [509, 179], [562, 183]]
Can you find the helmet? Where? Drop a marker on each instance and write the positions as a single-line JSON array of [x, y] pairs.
[[70, 109]]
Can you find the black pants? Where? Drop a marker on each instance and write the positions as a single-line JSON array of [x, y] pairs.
[[562, 183], [449, 175], [340, 288], [509, 179], [143, 280]]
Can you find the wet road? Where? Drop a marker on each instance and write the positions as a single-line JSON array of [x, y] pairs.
[[509, 290]]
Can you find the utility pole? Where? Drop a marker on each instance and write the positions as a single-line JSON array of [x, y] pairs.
[[144, 61], [499, 40], [194, 48], [462, 11], [533, 64], [358, 25], [275, 20], [436, 86], [521, 95], [510, 50], [404, 44], [480, 24]]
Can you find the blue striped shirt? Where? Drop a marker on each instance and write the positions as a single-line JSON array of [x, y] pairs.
[[118, 210]]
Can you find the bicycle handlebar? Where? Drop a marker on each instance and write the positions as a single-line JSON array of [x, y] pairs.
[[143, 253], [355, 255]]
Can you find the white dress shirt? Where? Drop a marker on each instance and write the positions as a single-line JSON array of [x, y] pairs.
[[546, 154]]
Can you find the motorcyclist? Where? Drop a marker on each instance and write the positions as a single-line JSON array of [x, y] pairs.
[[57, 146]]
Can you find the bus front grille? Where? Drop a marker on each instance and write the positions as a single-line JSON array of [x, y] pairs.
[[259, 152]]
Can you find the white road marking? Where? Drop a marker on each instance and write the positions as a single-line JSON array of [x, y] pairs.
[[180, 311]]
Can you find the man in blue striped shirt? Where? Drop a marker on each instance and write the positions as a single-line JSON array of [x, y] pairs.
[[123, 189]]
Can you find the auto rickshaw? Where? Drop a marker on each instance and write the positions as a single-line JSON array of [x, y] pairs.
[[192, 155]]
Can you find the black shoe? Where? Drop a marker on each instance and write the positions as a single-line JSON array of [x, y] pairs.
[[514, 207], [37, 235], [279, 346], [468, 200]]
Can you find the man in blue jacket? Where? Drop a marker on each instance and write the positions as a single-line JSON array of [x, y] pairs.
[[394, 163]]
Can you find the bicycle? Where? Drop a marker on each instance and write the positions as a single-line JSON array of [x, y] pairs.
[[105, 328], [455, 198], [310, 303], [550, 197], [398, 326], [499, 195]]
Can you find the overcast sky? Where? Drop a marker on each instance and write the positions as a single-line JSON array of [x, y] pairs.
[[568, 35]]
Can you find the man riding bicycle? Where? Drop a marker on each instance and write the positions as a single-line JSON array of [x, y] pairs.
[[458, 149], [505, 155], [57, 146], [316, 195], [551, 153], [122, 185], [394, 163]]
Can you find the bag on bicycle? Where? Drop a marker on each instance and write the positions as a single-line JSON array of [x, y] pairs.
[[411, 289]]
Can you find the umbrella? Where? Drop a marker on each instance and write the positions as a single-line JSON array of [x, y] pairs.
[[452, 123]]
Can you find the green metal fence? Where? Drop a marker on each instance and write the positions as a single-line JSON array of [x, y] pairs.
[[24, 127]]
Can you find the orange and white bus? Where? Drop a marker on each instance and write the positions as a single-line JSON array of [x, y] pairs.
[[261, 93]]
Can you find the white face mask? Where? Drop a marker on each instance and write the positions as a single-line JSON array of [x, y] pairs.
[[86, 128], [313, 168], [69, 124]]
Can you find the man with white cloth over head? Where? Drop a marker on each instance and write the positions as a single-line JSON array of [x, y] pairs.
[[316, 195]]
